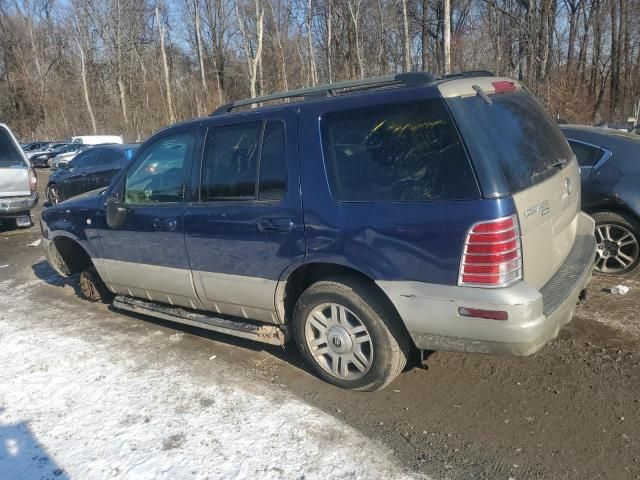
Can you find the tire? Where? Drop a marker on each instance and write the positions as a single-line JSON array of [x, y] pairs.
[[54, 195], [386, 349], [619, 254], [93, 288]]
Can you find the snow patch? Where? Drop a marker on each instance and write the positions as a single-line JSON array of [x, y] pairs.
[[78, 406]]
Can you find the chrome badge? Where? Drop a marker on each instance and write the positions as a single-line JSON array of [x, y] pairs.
[[542, 208]]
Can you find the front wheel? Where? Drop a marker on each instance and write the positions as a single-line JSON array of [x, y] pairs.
[[93, 288], [618, 244], [349, 335]]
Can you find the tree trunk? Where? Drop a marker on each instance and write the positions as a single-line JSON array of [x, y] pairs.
[[165, 67], [203, 76], [425, 35], [85, 89], [405, 37], [446, 37]]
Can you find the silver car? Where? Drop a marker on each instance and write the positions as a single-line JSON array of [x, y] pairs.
[[18, 182]]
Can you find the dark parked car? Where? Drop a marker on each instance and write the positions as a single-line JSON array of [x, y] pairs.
[[91, 169], [34, 146], [610, 170], [369, 218], [41, 158]]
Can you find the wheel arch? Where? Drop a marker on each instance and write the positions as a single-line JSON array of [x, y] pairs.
[[299, 277], [68, 256]]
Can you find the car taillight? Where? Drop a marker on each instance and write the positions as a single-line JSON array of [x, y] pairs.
[[33, 181], [492, 254]]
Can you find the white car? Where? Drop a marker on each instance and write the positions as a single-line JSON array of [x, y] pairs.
[[96, 139]]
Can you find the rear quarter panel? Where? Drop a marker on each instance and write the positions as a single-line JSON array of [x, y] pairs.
[[419, 241]]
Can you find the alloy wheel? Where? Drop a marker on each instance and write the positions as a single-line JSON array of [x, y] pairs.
[[617, 248], [339, 341]]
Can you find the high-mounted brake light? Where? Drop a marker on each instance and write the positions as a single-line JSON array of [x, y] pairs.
[[504, 86], [492, 254]]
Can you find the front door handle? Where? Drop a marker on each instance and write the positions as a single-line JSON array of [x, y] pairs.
[[165, 224], [275, 225]]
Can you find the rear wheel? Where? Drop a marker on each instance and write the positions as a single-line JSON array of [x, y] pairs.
[[349, 335], [618, 244], [93, 288]]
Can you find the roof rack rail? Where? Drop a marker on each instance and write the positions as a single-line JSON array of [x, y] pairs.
[[412, 78], [470, 74]]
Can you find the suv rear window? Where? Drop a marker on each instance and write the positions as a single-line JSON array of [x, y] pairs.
[[9, 155], [396, 152], [515, 130]]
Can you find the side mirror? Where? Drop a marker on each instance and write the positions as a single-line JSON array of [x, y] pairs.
[[116, 213]]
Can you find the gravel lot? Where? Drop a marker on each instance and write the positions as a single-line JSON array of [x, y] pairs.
[[88, 392]]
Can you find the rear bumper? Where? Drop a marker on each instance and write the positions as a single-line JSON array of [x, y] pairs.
[[430, 312], [12, 206]]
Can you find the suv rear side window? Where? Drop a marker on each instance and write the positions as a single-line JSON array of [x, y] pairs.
[[396, 152], [237, 158], [9, 155]]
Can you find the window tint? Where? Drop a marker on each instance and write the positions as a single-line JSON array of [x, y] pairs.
[[9, 155], [398, 152], [515, 130], [230, 162], [585, 154], [272, 184], [108, 156], [86, 159], [157, 175]]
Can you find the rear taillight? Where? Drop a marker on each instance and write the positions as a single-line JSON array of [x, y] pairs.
[[492, 254], [33, 181]]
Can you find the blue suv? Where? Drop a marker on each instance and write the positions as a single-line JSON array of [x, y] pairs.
[[361, 219]]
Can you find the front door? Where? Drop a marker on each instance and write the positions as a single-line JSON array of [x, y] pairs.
[[110, 162], [246, 225], [147, 258], [79, 168]]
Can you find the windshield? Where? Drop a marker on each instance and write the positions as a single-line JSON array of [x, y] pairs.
[[9, 155], [514, 129]]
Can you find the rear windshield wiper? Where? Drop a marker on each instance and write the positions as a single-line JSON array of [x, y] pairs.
[[560, 163], [482, 94]]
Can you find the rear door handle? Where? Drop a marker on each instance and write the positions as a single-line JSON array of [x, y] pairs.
[[275, 225]]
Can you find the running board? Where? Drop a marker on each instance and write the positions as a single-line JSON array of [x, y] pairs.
[[261, 332]]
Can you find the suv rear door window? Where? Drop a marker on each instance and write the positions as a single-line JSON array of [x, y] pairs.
[[396, 152], [237, 158], [10, 157], [272, 184]]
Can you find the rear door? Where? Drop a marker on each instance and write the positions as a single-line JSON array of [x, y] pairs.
[[245, 225], [511, 136], [14, 170]]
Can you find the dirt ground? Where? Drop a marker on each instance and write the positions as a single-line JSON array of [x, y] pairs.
[[570, 411]]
